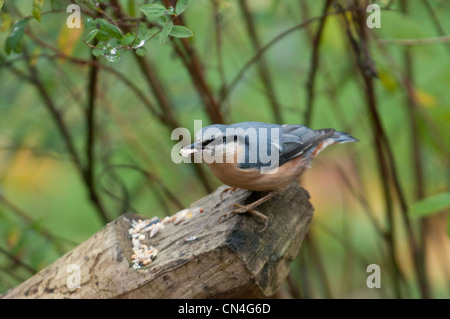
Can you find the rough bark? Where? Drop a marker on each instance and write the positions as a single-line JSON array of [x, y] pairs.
[[197, 258]]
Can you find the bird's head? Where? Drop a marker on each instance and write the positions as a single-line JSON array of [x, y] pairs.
[[216, 141]]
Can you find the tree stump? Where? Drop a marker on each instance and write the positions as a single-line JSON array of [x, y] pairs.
[[199, 257]]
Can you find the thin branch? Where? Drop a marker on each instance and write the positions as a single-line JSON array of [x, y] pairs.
[[56, 115], [193, 65], [18, 261], [156, 86], [416, 159], [437, 24], [58, 54], [317, 261], [218, 41], [263, 69], [152, 177], [380, 156], [314, 63], [140, 149], [225, 93], [385, 155], [90, 141], [412, 42], [363, 202], [55, 240]]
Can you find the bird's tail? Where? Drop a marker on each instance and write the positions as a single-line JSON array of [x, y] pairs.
[[342, 137]]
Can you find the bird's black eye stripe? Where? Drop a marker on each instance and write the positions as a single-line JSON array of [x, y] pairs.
[[206, 142]]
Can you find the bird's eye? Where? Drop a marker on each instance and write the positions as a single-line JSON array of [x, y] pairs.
[[235, 138]]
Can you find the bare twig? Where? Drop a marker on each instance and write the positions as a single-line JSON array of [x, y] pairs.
[[195, 68], [149, 72], [439, 28], [314, 63], [55, 240], [17, 261], [152, 177], [317, 261], [416, 160], [90, 141], [263, 69], [412, 42], [218, 42], [384, 151], [381, 158], [232, 84]]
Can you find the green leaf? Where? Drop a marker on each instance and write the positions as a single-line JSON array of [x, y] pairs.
[[91, 35], [154, 10], [98, 51], [103, 36], [93, 5], [109, 28], [181, 6], [37, 9], [128, 39], [178, 31], [430, 205], [141, 51], [14, 40], [89, 23], [142, 31], [165, 32], [1, 3]]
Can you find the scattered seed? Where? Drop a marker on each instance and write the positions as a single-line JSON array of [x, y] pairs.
[[155, 230], [190, 238], [179, 217], [147, 261], [136, 243]]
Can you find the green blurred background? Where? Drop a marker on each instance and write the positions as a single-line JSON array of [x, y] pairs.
[[45, 208]]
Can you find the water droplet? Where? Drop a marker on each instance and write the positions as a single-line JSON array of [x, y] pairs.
[[112, 55]]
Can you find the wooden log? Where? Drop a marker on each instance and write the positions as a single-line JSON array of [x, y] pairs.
[[197, 258]]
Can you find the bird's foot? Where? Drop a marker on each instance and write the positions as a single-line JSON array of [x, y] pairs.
[[226, 190], [242, 209]]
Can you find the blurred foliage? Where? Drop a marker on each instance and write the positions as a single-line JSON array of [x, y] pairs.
[[160, 64]]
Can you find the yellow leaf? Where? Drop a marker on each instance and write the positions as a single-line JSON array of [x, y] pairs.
[[425, 99], [387, 80], [35, 55], [5, 22], [12, 237], [68, 38], [28, 171]]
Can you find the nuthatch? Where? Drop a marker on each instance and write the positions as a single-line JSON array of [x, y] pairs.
[[260, 156]]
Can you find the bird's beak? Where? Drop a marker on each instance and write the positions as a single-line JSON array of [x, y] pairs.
[[191, 149]]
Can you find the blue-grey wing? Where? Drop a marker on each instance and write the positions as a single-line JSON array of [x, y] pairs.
[[289, 141], [296, 140]]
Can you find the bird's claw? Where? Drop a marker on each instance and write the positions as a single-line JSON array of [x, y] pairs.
[[226, 190], [242, 209]]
